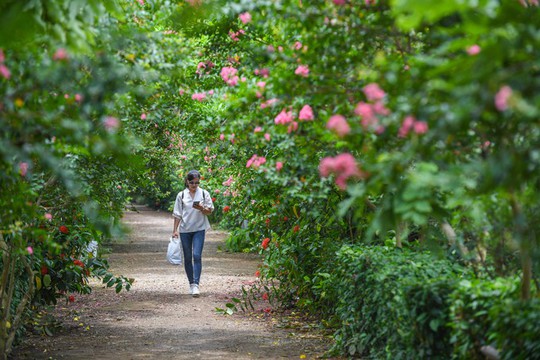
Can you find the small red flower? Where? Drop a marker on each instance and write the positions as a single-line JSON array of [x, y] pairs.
[[257, 273], [267, 221], [267, 310], [265, 243], [285, 218], [213, 199], [226, 208], [71, 298], [63, 229], [296, 228], [265, 296], [78, 263], [44, 270]]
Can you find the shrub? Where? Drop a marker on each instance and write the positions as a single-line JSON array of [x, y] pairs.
[[488, 312], [391, 303]]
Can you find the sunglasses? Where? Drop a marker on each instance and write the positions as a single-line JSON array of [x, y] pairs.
[[193, 183]]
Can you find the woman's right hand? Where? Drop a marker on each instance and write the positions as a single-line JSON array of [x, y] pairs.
[[175, 234]]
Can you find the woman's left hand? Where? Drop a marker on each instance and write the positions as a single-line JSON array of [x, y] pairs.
[[202, 209]]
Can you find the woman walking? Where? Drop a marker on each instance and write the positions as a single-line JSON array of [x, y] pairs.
[[191, 208]]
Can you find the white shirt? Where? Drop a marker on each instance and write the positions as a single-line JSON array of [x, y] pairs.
[[191, 219]]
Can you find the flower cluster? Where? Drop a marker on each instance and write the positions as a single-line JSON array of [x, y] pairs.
[[306, 113], [256, 161], [410, 123], [245, 17], [4, 71], [343, 166], [339, 124], [228, 74], [302, 70], [368, 111]]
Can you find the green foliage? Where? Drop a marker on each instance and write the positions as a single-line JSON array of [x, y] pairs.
[[463, 179], [486, 313], [391, 303]]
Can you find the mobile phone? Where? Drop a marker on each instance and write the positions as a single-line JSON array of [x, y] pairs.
[[196, 202]]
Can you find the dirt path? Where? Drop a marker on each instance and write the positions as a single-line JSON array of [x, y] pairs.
[[158, 319]]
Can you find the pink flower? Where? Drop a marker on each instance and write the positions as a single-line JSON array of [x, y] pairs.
[[338, 124], [261, 84], [410, 123], [380, 109], [228, 74], [406, 126], [293, 126], [228, 182], [284, 117], [502, 97], [373, 92], [340, 2], [60, 54], [420, 127], [279, 166], [365, 111], [473, 50], [48, 216], [267, 137], [343, 166], [23, 168], [199, 96], [221, 136], [302, 70], [268, 103], [4, 71], [257, 129], [256, 161], [245, 17], [111, 123], [181, 92], [78, 97], [29, 250], [297, 45], [234, 35], [306, 113], [326, 166], [141, 2], [143, 116]]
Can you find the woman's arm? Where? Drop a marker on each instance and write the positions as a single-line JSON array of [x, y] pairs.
[[175, 228]]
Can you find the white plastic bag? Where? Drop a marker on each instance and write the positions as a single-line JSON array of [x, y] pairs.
[[174, 251]]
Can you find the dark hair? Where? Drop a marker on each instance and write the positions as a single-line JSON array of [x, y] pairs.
[[192, 174]]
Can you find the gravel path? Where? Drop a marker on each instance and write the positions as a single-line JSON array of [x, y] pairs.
[[158, 319]]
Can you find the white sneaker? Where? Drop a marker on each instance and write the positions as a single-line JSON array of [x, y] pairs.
[[195, 290]]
